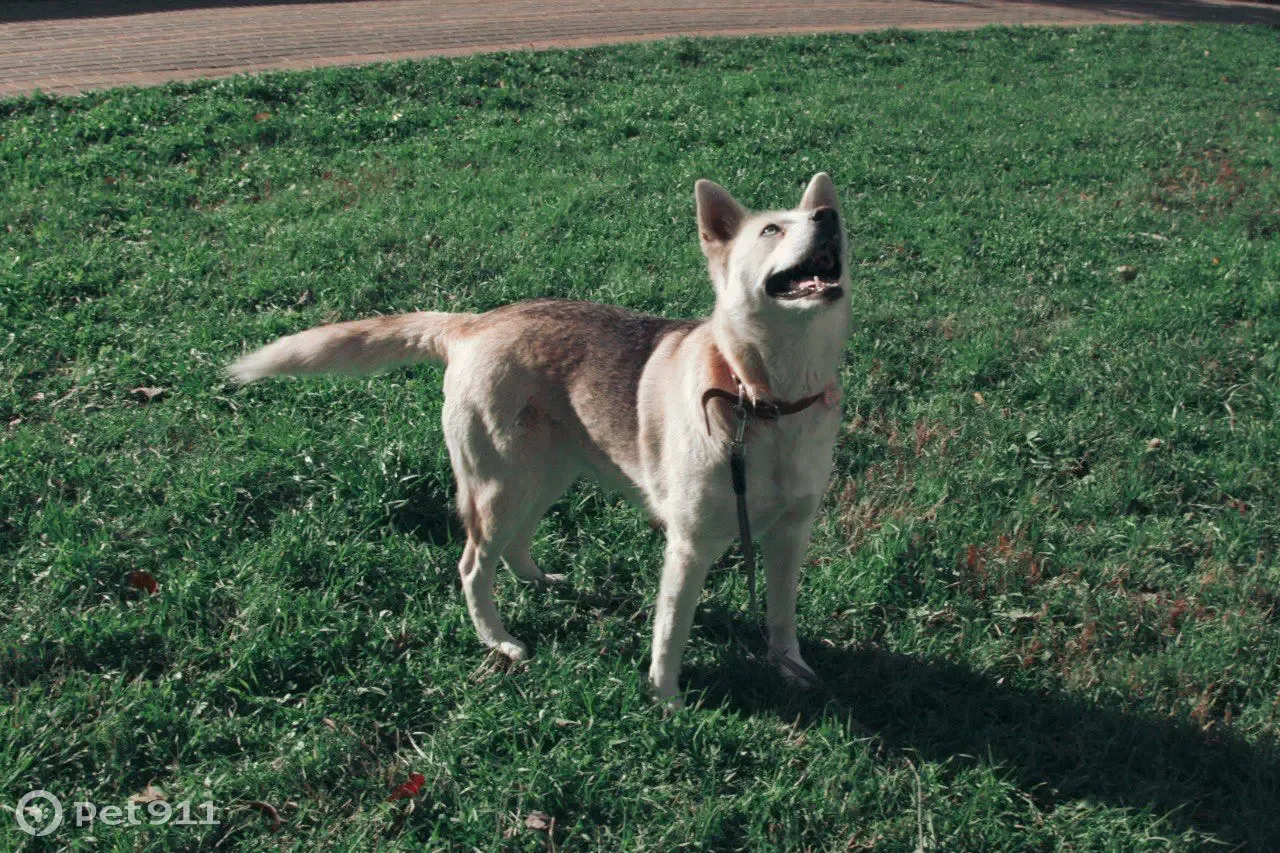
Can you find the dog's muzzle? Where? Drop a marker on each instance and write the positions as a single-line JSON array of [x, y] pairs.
[[818, 275]]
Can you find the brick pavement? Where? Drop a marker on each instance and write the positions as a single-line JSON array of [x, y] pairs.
[[67, 46]]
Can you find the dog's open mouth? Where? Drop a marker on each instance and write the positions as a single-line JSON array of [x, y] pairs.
[[818, 276]]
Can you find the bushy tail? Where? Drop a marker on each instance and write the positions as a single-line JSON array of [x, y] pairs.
[[361, 346]]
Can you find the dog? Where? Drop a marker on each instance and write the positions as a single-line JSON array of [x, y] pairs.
[[538, 393]]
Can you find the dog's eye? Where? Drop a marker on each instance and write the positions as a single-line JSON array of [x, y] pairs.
[[770, 230]]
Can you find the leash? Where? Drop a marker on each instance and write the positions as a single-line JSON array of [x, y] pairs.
[[738, 471], [743, 409]]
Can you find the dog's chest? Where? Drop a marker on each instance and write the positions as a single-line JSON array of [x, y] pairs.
[[789, 459]]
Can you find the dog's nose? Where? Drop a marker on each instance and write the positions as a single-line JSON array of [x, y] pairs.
[[824, 216]]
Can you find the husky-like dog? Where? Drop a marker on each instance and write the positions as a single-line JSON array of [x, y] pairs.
[[540, 392]]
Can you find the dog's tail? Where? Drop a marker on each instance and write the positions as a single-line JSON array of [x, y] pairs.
[[360, 346]]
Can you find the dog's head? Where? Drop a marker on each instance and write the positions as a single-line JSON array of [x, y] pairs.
[[775, 264]]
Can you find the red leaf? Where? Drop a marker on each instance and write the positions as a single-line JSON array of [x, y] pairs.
[[143, 581], [408, 789]]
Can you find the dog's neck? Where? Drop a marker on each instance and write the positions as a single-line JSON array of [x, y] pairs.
[[783, 361]]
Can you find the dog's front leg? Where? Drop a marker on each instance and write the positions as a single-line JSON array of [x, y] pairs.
[[783, 548], [684, 571]]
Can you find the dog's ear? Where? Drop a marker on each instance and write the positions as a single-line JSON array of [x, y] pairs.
[[719, 216], [821, 193]]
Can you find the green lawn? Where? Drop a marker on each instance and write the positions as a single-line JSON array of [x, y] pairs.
[[1044, 589]]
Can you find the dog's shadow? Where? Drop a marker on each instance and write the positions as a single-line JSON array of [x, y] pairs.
[[426, 513], [1052, 745]]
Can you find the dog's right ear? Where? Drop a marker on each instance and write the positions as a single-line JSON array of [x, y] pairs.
[[719, 218]]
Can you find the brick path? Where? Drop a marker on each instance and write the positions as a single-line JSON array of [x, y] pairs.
[[68, 46]]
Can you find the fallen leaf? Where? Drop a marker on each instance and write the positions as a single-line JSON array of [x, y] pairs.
[[143, 581], [306, 298], [1155, 444], [263, 116], [1126, 272], [148, 394], [330, 724], [979, 399], [408, 789], [539, 820], [269, 812], [149, 794]]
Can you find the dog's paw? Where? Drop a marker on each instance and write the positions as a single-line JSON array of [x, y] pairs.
[[668, 698], [514, 650], [794, 670], [669, 705]]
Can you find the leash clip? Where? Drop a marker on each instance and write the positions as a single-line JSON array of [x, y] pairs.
[[740, 415]]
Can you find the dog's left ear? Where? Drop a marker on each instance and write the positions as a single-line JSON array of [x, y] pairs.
[[821, 193], [719, 216]]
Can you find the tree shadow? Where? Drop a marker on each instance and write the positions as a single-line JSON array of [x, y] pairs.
[[1169, 11], [1055, 746], [1162, 10], [13, 11]]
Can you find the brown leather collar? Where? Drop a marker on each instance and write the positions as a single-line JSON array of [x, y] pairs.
[[764, 410]]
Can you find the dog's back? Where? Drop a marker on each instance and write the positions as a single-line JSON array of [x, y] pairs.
[[572, 361]]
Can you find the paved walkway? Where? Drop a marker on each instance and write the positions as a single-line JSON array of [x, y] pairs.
[[67, 46]]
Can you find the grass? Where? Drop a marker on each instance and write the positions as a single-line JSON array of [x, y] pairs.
[[1044, 587]]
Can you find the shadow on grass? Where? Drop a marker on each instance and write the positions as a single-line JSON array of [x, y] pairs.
[[427, 514], [1054, 746]]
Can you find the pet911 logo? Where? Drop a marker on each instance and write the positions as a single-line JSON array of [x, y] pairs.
[[41, 813]]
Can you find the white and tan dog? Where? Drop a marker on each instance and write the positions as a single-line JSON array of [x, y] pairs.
[[540, 392]]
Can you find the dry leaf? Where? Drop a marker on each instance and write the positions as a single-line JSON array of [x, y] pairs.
[[143, 581], [1155, 444], [1127, 273], [149, 794], [269, 812], [539, 820], [979, 399], [148, 394], [263, 116]]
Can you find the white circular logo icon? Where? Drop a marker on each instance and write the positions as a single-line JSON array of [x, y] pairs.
[[37, 819]]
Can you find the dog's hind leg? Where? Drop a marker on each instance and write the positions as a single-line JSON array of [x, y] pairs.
[[492, 514], [552, 482], [508, 474], [477, 570]]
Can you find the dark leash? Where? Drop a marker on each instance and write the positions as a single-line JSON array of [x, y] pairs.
[[743, 410]]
